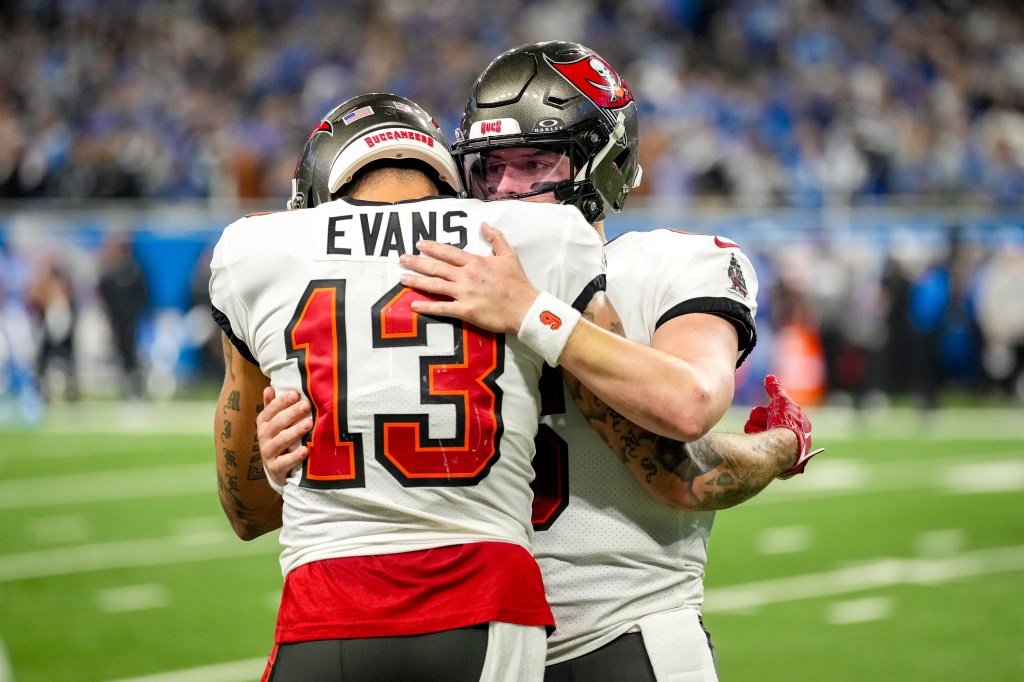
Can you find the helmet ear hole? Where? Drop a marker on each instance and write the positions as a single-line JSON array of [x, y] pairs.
[[619, 161]]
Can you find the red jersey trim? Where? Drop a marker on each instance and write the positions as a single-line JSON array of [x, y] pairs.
[[412, 593], [270, 665]]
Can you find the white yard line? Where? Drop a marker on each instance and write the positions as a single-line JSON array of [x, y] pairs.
[[859, 611], [861, 577], [172, 418], [830, 423], [970, 473], [6, 672], [108, 486], [127, 598], [978, 424], [107, 556]]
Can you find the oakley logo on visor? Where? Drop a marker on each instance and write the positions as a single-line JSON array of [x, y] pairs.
[[548, 125]]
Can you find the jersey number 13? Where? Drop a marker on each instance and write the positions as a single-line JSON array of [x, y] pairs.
[[466, 379]]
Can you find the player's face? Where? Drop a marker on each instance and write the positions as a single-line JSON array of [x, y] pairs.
[[510, 173]]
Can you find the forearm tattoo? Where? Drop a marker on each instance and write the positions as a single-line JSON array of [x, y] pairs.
[[247, 512], [614, 325], [246, 507], [232, 402], [712, 472], [225, 433], [253, 520], [712, 478], [256, 471]]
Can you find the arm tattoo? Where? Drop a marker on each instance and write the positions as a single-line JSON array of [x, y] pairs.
[[715, 473], [250, 519], [613, 324], [232, 402], [249, 503], [713, 478], [256, 470]]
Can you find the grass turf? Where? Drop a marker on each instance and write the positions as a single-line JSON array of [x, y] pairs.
[[116, 561]]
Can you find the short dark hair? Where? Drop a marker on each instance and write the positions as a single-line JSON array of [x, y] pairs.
[[389, 170]]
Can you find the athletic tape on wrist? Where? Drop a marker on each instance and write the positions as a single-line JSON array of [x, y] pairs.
[[547, 327]]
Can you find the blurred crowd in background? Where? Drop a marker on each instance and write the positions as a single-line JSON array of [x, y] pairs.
[[753, 101], [748, 104]]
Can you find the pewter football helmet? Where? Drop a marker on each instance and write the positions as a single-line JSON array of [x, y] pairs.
[[364, 130], [561, 96]]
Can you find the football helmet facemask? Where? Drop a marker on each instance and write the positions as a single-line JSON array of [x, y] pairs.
[[559, 97], [366, 130]]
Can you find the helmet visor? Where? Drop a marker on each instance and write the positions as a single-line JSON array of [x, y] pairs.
[[515, 172]]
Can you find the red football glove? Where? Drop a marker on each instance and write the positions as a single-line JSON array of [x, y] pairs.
[[783, 412]]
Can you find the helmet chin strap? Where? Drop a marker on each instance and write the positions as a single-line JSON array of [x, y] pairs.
[[562, 190]]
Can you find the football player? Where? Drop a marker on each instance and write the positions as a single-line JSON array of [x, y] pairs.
[[470, 470], [623, 563], [406, 532]]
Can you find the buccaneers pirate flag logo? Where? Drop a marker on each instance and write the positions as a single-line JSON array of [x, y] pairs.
[[598, 81], [739, 282]]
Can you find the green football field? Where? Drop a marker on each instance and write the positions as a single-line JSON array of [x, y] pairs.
[[899, 556]]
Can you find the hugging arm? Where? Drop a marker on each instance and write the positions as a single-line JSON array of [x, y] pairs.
[[251, 505], [716, 471], [653, 405], [680, 396]]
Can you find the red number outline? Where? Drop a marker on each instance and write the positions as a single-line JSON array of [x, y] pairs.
[[466, 379]]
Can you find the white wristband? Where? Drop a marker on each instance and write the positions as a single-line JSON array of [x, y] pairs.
[[547, 327]]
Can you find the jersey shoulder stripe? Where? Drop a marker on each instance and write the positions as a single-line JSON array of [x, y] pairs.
[[225, 325], [599, 283], [730, 310]]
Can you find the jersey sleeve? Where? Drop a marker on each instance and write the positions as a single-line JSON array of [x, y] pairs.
[[703, 274], [228, 308], [560, 252]]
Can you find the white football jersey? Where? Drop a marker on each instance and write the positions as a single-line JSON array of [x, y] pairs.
[[423, 427], [610, 553]]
